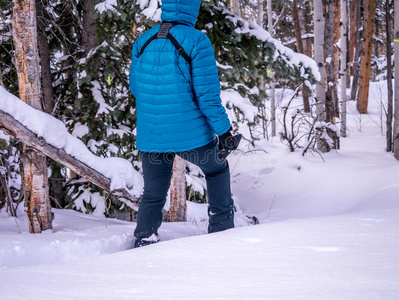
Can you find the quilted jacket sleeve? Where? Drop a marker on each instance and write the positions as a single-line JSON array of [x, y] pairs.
[[206, 86], [132, 79]]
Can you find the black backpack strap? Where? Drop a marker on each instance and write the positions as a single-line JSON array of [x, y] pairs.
[[163, 33], [179, 48]]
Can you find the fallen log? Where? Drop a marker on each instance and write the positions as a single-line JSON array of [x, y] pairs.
[[25, 135]]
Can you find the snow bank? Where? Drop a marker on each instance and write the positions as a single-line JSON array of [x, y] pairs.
[[119, 171]]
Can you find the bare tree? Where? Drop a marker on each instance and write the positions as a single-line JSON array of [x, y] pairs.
[[344, 33], [331, 91], [298, 28], [388, 23], [35, 182], [357, 47], [365, 63], [319, 57], [396, 112], [272, 84]]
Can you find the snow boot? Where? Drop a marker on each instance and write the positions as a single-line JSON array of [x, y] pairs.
[[153, 239]]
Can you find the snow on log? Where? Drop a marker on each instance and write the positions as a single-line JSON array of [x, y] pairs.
[[50, 136]]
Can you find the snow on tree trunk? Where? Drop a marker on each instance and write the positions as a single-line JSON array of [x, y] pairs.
[[319, 57], [178, 204], [35, 182], [388, 31], [25, 135], [272, 84], [396, 113], [344, 33], [365, 63]]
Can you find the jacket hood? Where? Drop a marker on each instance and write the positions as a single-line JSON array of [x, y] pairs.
[[184, 11]]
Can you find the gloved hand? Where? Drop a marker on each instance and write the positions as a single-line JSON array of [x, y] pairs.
[[227, 141]]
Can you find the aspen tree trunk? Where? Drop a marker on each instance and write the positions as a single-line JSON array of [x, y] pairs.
[[355, 80], [272, 84], [365, 63], [388, 29], [235, 7], [35, 183], [299, 43], [352, 33], [178, 203], [302, 22], [331, 92], [261, 15], [319, 57], [308, 13], [344, 33], [337, 35], [329, 59], [396, 110]]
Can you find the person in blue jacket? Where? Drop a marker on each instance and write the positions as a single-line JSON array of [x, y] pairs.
[[179, 111]]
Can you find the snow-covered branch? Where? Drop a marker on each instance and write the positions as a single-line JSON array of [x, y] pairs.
[[50, 136]]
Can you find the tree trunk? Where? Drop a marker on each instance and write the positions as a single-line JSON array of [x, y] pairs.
[[355, 80], [29, 138], [352, 34], [319, 57], [388, 29], [178, 204], [396, 112], [89, 34], [302, 22], [297, 26], [272, 84], [329, 59], [300, 48], [337, 35], [344, 33], [261, 15], [331, 92], [308, 27], [1, 77], [35, 182], [47, 83], [235, 7], [365, 63]]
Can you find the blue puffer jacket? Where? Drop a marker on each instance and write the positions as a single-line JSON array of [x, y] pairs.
[[178, 104]]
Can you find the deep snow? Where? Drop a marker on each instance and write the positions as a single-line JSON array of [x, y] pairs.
[[329, 230]]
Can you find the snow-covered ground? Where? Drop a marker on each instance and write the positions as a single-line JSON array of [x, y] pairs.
[[329, 230]]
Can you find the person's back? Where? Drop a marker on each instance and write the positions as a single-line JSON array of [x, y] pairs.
[[178, 103], [176, 84]]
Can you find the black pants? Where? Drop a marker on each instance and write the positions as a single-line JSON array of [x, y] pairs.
[[157, 169]]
